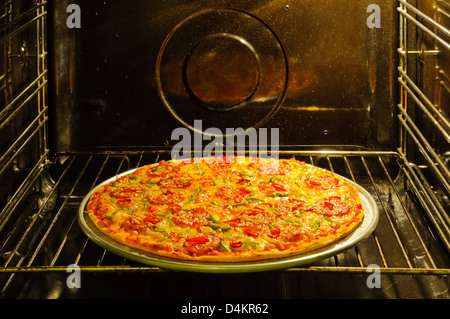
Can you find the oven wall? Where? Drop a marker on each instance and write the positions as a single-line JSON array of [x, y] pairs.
[[332, 76]]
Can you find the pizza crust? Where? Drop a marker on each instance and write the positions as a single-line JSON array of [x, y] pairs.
[[236, 256]]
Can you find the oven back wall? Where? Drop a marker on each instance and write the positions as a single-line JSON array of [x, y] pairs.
[[131, 74]]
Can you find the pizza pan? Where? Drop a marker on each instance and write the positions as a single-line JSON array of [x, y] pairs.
[[368, 225]]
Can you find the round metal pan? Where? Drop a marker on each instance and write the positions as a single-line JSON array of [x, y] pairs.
[[367, 226]]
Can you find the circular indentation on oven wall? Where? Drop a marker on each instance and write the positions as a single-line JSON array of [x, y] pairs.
[[224, 66], [210, 76]]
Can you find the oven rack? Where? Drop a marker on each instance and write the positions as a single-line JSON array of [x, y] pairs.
[[402, 244]]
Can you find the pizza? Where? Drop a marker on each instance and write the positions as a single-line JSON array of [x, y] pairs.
[[227, 209]]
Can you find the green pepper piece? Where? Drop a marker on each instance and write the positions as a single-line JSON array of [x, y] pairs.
[[192, 197], [274, 210], [274, 223], [215, 218], [274, 179], [278, 194], [316, 224], [213, 225], [224, 246], [158, 168], [255, 199], [247, 175], [293, 221], [109, 215], [217, 226], [215, 204]]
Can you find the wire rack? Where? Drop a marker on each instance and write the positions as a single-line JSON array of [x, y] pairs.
[[24, 111], [424, 101], [39, 232], [400, 245]]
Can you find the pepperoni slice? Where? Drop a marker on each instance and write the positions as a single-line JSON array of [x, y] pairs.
[[201, 245], [228, 192], [193, 217], [165, 199], [127, 191], [333, 206], [176, 182]]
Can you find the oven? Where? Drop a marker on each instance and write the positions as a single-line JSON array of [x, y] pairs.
[[91, 89]]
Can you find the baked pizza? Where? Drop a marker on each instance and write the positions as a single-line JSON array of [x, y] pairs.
[[227, 209]]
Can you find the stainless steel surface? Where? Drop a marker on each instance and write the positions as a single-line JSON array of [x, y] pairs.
[[106, 73], [385, 90], [368, 225]]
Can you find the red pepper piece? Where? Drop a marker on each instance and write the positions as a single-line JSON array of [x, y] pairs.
[[328, 205], [122, 180], [313, 183], [265, 204], [236, 244], [124, 200], [151, 219], [251, 232], [185, 162], [233, 220], [128, 190], [239, 198], [259, 208], [175, 208], [245, 191], [175, 237], [198, 227], [334, 198], [275, 231], [279, 187]]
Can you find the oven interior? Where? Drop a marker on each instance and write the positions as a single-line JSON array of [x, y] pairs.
[[96, 89]]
